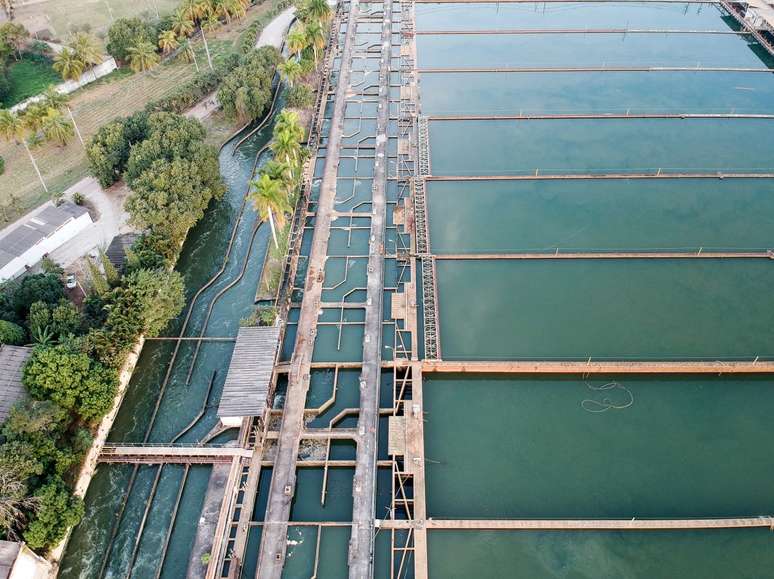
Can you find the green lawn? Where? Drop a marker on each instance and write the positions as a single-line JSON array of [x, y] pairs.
[[27, 78]]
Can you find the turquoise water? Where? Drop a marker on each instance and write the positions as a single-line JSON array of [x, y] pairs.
[[597, 93], [574, 15], [579, 50], [501, 216], [716, 554], [545, 447], [655, 446], [600, 146], [606, 309]]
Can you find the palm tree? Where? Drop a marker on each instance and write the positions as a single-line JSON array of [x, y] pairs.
[[142, 56], [56, 127], [86, 48], [68, 64], [297, 41], [54, 99], [13, 128], [210, 22], [318, 10], [222, 9], [182, 24], [237, 8], [168, 41], [291, 71], [269, 200], [287, 121], [188, 53], [315, 36]]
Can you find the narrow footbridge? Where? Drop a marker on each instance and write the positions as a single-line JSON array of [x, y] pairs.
[[171, 453]]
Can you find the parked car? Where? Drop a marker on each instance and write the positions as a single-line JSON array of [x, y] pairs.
[[70, 281]]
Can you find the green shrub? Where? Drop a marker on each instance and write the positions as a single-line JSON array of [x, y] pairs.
[[79, 198], [2, 165], [58, 510], [70, 379], [300, 96], [11, 334]]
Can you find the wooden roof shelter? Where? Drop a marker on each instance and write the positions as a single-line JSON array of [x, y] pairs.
[[246, 390], [12, 360]]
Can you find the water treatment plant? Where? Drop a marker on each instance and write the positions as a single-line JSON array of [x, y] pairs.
[[525, 319]]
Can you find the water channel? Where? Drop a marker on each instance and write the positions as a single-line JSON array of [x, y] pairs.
[[215, 311]]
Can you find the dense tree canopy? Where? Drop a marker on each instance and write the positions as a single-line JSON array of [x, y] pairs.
[[57, 511], [70, 379], [168, 136], [245, 93], [126, 33], [109, 150], [17, 296]]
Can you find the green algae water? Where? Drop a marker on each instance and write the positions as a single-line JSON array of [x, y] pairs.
[[598, 447], [715, 554], [553, 447], [606, 308], [597, 93], [561, 146], [513, 216]]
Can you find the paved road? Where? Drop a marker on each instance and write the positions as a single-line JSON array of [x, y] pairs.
[[275, 31]]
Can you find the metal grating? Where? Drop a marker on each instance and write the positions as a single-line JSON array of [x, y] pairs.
[[432, 343], [424, 147]]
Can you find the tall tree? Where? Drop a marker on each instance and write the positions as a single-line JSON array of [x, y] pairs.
[[168, 41], [86, 48], [143, 56], [315, 36], [13, 128], [291, 71], [182, 24], [297, 41], [68, 64], [271, 202], [56, 127]]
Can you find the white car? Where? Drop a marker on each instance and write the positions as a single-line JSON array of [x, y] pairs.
[[70, 281]]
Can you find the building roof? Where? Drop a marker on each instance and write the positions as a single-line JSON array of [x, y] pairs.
[[8, 553], [116, 251], [246, 390], [12, 360], [765, 10], [36, 228]]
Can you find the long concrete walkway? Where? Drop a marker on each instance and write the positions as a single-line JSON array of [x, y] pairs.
[[364, 484], [274, 538]]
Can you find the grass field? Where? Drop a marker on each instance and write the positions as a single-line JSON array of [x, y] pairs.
[[61, 17], [27, 78], [117, 95]]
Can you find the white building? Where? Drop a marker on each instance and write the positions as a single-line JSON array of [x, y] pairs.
[[23, 245], [17, 561]]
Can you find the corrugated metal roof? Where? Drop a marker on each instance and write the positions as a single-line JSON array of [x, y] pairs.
[[116, 251], [12, 359], [8, 553], [249, 373], [38, 227]]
